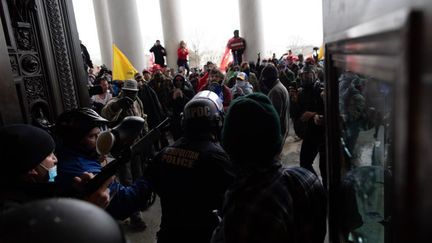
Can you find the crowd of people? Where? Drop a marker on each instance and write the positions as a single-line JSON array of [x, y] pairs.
[[216, 168]]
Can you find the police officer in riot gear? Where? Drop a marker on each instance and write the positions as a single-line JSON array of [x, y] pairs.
[[191, 175]]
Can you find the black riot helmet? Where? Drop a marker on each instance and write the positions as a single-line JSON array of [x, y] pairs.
[[203, 114], [59, 220], [73, 125]]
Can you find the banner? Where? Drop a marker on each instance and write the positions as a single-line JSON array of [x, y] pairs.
[[122, 68]]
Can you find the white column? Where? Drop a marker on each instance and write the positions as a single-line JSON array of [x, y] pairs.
[[104, 30], [126, 32], [172, 28], [251, 27]]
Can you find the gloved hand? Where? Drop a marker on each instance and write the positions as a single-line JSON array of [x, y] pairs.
[[125, 103]]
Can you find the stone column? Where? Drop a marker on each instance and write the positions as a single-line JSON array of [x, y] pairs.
[[251, 28], [104, 31], [172, 28], [125, 30]]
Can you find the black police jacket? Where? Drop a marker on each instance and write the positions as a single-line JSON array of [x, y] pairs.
[[190, 177]]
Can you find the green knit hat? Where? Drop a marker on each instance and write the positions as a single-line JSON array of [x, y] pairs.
[[252, 131]]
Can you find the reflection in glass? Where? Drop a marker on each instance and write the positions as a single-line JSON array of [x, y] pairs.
[[365, 108]]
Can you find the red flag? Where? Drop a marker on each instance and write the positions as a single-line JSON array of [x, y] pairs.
[[225, 59], [151, 61]]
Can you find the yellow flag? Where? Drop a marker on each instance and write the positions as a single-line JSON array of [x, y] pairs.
[[321, 52], [122, 68]]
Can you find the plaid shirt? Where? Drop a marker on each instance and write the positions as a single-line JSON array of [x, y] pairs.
[[310, 206], [279, 205]]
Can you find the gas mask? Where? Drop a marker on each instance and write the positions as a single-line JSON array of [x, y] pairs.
[[120, 137]]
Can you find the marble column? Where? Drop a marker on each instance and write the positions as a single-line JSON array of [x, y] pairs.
[[172, 28], [251, 28], [125, 30], [104, 31]]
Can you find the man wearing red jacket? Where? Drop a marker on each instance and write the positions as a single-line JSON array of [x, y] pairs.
[[237, 45]]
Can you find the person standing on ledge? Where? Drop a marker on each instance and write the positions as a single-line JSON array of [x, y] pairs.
[[182, 57], [159, 53], [237, 45]]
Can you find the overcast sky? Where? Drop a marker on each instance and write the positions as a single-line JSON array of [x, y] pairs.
[[211, 23]]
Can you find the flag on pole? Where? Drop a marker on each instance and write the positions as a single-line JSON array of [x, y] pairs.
[[151, 61], [321, 52], [225, 59], [122, 68]]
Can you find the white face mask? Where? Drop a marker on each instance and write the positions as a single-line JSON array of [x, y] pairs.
[[240, 82]]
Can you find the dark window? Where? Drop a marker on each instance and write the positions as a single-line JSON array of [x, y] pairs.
[[366, 138]]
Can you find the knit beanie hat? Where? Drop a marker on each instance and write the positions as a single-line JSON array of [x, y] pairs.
[[269, 75], [22, 148], [252, 132]]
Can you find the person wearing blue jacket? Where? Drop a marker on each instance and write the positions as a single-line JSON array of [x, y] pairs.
[[77, 131], [29, 168]]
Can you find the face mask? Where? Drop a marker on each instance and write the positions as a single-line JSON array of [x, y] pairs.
[[240, 83], [52, 172]]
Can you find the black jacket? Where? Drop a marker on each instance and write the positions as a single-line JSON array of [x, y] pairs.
[[159, 53], [309, 99], [190, 177], [86, 57], [152, 106]]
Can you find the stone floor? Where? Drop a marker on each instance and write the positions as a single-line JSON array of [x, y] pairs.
[[290, 157]]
